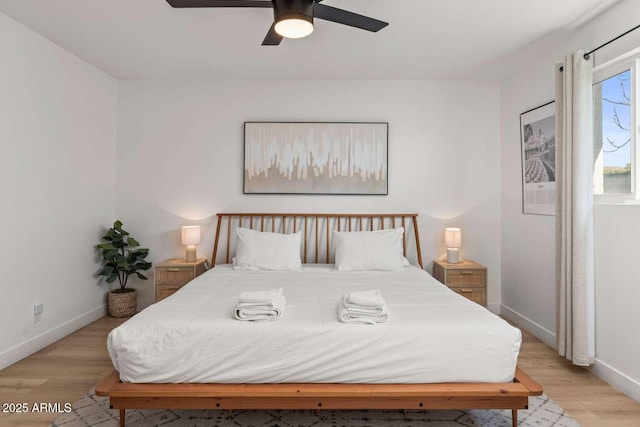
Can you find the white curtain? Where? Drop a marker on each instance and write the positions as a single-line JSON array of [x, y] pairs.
[[575, 331]]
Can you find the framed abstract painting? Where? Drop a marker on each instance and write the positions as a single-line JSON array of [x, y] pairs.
[[316, 158]]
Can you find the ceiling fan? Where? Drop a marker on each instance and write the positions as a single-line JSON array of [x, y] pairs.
[[292, 18]]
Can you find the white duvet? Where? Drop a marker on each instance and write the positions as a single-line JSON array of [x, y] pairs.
[[433, 335]]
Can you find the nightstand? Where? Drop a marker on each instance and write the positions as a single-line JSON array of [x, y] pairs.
[[467, 278], [173, 274]]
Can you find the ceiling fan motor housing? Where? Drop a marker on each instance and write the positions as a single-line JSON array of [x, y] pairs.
[[293, 9]]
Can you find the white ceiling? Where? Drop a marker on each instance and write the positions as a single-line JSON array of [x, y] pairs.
[[425, 39]]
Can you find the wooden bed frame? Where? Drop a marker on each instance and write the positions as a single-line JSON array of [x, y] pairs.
[[512, 395]]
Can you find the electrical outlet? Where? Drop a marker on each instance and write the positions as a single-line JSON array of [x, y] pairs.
[[37, 312]]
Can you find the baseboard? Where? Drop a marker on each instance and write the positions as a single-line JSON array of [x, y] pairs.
[[38, 342], [607, 373], [617, 379], [532, 327]]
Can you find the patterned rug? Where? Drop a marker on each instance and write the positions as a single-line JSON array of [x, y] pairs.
[[94, 411]]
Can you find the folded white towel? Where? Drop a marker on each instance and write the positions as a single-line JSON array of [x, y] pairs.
[[260, 296], [351, 314], [261, 311], [365, 299]]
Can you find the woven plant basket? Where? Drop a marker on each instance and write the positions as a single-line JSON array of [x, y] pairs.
[[122, 304]]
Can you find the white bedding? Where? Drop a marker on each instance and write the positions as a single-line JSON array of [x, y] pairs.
[[433, 335]]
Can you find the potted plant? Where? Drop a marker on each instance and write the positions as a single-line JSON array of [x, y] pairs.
[[122, 257]]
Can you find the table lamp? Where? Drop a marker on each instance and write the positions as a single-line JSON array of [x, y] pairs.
[[191, 237], [453, 241]]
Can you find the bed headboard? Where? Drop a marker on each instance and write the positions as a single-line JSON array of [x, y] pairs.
[[317, 230]]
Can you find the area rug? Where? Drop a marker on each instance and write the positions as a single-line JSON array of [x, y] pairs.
[[94, 411]]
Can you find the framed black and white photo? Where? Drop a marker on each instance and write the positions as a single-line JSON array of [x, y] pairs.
[[538, 145], [315, 158]]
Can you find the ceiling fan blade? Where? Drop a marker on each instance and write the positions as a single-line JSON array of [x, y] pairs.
[[322, 11], [272, 38], [220, 3]]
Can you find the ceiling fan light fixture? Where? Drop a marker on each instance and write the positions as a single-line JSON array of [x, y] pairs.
[[294, 27], [293, 19]]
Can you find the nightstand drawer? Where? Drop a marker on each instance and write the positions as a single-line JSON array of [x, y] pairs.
[[174, 275], [466, 278], [163, 291], [474, 294]]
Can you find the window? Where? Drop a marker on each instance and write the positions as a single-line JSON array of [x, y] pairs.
[[615, 160]]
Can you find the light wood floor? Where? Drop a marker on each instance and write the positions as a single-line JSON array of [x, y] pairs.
[[66, 370]]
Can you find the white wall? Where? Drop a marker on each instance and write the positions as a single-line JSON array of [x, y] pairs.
[[57, 180], [617, 296], [180, 157], [528, 248], [528, 252]]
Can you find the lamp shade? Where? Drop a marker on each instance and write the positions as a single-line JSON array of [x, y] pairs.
[[191, 235], [452, 237]]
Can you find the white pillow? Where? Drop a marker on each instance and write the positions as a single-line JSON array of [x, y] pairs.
[[267, 251], [369, 250]]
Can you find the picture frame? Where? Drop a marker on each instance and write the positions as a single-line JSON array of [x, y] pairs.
[[335, 158], [537, 142]]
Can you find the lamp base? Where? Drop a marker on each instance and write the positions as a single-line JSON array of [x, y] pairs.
[[191, 253], [453, 255]]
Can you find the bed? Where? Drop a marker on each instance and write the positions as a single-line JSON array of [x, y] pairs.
[[439, 351]]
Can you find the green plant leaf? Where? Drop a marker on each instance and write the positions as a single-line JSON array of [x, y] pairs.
[[106, 271], [110, 255], [109, 234], [132, 242], [141, 276], [143, 265]]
